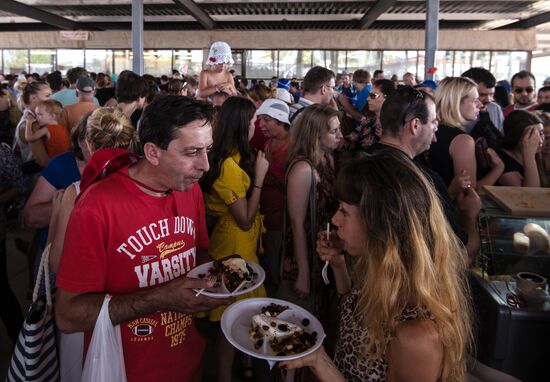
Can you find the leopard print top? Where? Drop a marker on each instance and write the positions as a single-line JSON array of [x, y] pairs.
[[355, 365]]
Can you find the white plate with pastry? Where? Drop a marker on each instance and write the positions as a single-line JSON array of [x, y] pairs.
[[271, 329], [233, 275]]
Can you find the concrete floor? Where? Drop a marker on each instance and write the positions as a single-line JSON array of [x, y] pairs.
[[18, 274]]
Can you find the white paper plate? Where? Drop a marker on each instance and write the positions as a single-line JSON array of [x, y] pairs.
[[221, 291], [237, 320]]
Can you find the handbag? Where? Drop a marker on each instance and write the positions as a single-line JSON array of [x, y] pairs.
[[35, 354], [105, 358], [15, 114]]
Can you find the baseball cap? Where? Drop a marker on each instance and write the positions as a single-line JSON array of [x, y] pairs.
[[427, 84], [276, 109], [85, 85]]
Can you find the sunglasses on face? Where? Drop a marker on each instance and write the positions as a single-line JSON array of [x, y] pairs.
[[528, 90], [376, 95]]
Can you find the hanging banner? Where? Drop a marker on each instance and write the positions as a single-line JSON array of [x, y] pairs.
[[74, 35]]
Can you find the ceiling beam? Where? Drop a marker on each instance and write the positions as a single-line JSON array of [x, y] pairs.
[[197, 12], [21, 9], [528, 23], [374, 12]]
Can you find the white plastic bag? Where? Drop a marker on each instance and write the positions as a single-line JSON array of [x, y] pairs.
[[105, 360]]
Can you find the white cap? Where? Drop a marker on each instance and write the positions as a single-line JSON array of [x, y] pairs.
[[284, 95], [219, 53], [276, 109]]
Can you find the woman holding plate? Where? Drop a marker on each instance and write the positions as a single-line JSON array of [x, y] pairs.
[[232, 190], [405, 312]]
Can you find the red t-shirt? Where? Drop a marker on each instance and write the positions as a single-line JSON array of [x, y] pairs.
[[120, 240], [510, 108]]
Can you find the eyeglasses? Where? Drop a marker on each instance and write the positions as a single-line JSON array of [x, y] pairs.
[[330, 86], [528, 90], [416, 95], [376, 95]]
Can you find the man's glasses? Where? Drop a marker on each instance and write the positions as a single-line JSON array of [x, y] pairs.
[[528, 90]]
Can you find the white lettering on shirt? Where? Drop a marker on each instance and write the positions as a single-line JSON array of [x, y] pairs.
[[164, 270]]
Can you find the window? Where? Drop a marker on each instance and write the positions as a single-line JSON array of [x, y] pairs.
[[363, 59], [157, 62], [261, 64], [443, 63], [99, 60], [42, 60], [462, 62], [481, 59], [237, 63], [394, 62], [188, 62], [505, 64], [69, 58], [331, 59], [123, 60], [539, 67], [16, 60]]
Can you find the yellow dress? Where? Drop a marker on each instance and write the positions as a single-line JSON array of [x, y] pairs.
[[227, 238]]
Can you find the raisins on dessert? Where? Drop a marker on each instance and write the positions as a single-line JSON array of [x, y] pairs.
[[283, 328], [305, 322], [258, 344]]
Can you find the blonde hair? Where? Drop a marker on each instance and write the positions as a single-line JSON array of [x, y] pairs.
[[411, 257], [52, 107], [306, 133], [448, 96], [109, 128]]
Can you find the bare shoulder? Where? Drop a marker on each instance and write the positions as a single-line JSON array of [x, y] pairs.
[[416, 352], [300, 169], [417, 333], [463, 141]]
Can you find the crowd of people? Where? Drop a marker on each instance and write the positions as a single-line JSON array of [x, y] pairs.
[[131, 182]]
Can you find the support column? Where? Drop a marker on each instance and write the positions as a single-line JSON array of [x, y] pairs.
[[137, 36], [432, 31]]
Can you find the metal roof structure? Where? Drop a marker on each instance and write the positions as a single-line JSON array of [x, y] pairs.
[[37, 15]]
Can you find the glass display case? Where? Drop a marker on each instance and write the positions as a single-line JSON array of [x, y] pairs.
[[512, 244], [513, 326]]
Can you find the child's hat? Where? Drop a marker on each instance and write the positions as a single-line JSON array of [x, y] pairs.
[[219, 53]]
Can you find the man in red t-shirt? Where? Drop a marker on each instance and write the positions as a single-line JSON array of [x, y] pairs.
[[134, 235]]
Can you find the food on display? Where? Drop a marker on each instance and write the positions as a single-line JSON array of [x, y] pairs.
[[539, 238], [521, 242]]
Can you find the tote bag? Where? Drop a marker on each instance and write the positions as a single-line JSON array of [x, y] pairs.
[[35, 355]]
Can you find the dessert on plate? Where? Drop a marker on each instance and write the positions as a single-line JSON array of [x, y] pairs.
[[283, 337]]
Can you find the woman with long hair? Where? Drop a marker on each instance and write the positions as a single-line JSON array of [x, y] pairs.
[[232, 190], [521, 150], [453, 154], [405, 313], [314, 136]]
